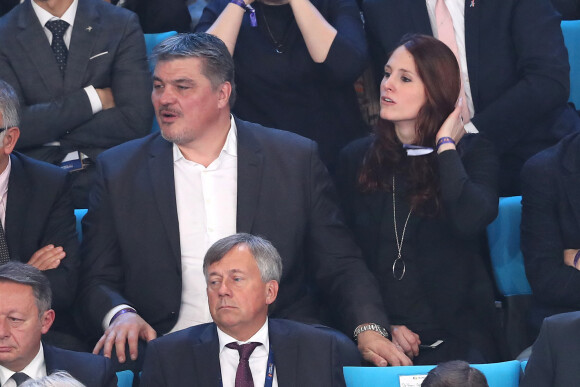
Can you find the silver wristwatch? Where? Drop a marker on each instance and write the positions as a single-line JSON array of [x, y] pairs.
[[371, 327]]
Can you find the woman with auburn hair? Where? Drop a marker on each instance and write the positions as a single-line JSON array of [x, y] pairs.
[[418, 194]]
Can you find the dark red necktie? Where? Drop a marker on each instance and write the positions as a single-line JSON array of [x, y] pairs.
[[244, 374]]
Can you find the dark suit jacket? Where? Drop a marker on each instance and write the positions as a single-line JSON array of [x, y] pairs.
[[39, 212], [517, 64], [555, 361], [551, 224], [131, 251], [7, 5], [304, 356], [54, 108], [91, 370]]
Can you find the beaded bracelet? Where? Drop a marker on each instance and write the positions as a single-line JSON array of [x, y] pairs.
[[247, 7], [444, 140]]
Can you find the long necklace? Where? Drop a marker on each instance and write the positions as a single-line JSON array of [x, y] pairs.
[[279, 46], [399, 244]]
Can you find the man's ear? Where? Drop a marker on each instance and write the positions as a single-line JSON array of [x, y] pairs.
[[10, 139], [225, 92], [46, 320], [271, 291]]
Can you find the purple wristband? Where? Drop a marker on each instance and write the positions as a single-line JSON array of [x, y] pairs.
[[576, 258], [444, 140], [247, 7], [122, 311]]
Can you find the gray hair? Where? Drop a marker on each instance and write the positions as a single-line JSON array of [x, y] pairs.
[[56, 379], [9, 106], [218, 65], [267, 258], [24, 274]]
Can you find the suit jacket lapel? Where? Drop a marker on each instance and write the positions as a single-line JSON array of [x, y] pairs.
[[86, 30], [33, 41], [19, 192], [285, 349], [250, 159], [472, 27], [206, 358], [571, 163], [163, 183], [50, 359]]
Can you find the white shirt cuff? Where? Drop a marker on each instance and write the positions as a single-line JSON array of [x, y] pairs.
[[94, 99], [111, 313], [470, 128]]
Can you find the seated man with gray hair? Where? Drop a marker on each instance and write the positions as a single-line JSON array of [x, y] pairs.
[[25, 315], [242, 345], [37, 220]]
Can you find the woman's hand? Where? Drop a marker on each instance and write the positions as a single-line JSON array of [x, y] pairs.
[[569, 255], [406, 340], [452, 127]]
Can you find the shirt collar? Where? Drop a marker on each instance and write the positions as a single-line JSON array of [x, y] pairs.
[[35, 369], [4, 177], [259, 337], [230, 146], [45, 16]]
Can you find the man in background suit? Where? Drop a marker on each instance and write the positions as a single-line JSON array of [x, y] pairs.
[[555, 359], [243, 273], [160, 202], [25, 315], [87, 92], [514, 67], [550, 238], [37, 215]]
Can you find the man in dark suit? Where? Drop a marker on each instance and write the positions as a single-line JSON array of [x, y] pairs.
[[80, 71], [36, 213], [242, 272], [514, 67], [555, 359], [160, 202], [25, 315], [550, 238]]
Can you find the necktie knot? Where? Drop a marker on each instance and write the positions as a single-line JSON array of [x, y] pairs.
[[245, 350], [57, 27], [20, 377]]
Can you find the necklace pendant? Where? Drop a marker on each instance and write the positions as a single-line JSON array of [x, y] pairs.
[[279, 50], [399, 268]]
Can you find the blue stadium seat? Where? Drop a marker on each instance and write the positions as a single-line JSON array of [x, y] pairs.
[[79, 214], [571, 31], [504, 247], [505, 374], [125, 378]]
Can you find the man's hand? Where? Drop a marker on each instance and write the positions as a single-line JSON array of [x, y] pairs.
[[381, 351], [128, 327], [406, 339], [48, 257], [106, 96]]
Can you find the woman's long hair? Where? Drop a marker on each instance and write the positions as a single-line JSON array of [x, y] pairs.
[[438, 69]]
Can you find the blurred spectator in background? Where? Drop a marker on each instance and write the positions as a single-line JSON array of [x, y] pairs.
[[296, 63]]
